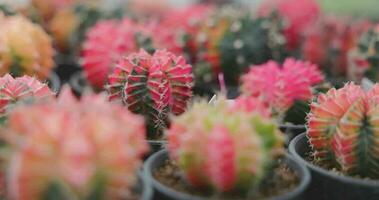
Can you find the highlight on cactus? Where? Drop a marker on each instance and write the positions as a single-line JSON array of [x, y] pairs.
[[234, 148], [15, 90], [153, 85], [25, 48], [280, 86], [84, 149], [342, 130]]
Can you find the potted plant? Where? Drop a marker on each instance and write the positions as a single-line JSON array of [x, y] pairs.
[[26, 49], [222, 151], [153, 85], [339, 146], [286, 89], [87, 149]]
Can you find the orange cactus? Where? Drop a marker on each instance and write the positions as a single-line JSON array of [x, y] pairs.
[[25, 48]]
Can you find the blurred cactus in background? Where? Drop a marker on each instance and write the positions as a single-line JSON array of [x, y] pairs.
[[25, 48]]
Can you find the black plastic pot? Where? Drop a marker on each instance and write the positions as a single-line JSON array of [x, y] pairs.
[[143, 187], [54, 82], [67, 65], [79, 83], [163, 192], [328, 185]]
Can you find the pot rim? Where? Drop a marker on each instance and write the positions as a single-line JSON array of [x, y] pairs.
[[333, 175], [55, 82], [303, 173]]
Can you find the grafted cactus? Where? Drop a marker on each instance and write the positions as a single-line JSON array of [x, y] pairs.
[[281, 86], [13, 90], [87, 149], [342, 130], [152, 85], [25, 48], [233, 147]]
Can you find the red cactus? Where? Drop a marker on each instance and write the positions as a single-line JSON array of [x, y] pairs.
[[152, 85]]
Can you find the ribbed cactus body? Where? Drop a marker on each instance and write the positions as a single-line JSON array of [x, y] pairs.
[[13, 90], [152, 85], [280, 86], [83, 149], [342, 130], [233, 147]]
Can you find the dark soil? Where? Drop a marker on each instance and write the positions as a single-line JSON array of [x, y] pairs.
[[282, 180]]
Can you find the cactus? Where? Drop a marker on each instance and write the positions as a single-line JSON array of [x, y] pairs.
[[368, 52], [230, 40], [87, 149], [152, 85], [281, 86], [342, 130], [13, 90], [329, 42], [233, 147], [25, 48]]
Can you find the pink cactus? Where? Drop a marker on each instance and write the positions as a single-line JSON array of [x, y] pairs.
[[106, 42], [152, 85], [341, 129], [13, 90], [231, 150], [77, 148], [281, 86]]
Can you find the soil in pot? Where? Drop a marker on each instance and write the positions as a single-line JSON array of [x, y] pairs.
[[327, 182], [281, 181]]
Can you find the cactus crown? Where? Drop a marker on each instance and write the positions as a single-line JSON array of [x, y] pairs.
[[14, 90], [342, 130], [25, 48], [87, 149], [233, 147], [152, 85], [281, 86]]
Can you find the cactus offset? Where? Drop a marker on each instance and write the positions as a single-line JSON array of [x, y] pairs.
[[25, 48], [83, 149], [281, 86], [13, 90], [152, 85], [342, 130], [233, 147]]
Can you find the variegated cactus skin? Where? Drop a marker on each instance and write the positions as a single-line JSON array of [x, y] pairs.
[[25, 48], [233, 147], [81, 150], [13, 90], [342, 130], [152, 85]]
